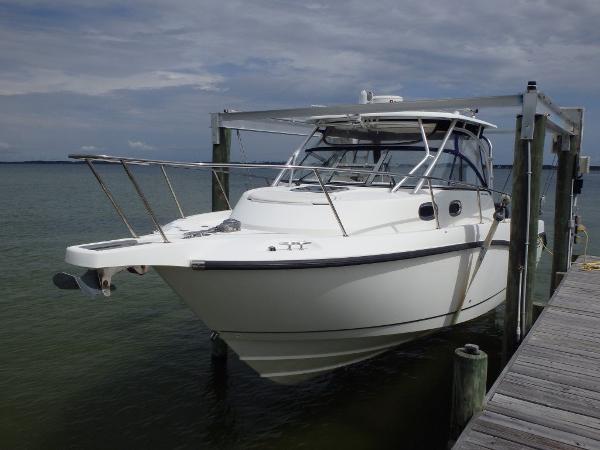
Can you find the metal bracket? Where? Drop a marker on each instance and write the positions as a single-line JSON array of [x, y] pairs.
[[530, 99]]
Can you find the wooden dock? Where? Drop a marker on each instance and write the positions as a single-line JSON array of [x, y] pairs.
[[548, 395]]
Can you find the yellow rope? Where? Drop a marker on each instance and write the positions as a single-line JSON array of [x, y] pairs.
[[541, 242], [587, 266]]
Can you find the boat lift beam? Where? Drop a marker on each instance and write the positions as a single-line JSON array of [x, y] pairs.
[[293, 121], [288, 127]]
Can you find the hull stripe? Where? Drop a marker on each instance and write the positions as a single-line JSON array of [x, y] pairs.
[[338, 262]]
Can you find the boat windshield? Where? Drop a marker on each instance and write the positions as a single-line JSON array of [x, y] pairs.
[[462, 160]]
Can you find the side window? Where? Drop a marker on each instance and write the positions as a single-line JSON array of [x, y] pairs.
[[452, 166], [470, 149], [469, 176], [455, 208], [426, 211], [447, 168]]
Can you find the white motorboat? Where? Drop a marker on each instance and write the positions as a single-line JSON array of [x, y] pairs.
[[381, 228]]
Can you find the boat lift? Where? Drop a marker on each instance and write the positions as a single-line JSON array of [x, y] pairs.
[[566, 125]]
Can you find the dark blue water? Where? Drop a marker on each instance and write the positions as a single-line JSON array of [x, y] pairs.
[[134, 371]]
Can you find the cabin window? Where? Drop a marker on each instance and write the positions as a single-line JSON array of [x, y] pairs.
[[471, 149], [455, 208], [453, 166], [343, 158], [394, 146], [426, 211]]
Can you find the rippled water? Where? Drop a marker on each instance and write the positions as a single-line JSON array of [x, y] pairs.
[[134, 371]]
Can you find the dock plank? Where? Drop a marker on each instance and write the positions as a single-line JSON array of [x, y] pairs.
[[531, 434], [543, 415], [587, 383], [479, 440], [548, 396]]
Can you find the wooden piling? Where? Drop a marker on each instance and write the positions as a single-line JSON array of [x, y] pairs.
[[565, 174], [468, 387], [221, 154], [519, 231], [537, 166], [220, 195]]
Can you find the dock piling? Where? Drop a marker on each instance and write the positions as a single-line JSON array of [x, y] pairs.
[[220, 202], [537, 164], [220, 178], [566, 173], [527, 168], [468, 386]]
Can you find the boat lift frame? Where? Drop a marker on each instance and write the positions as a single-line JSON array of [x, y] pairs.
[[565, 121], [561, 121]]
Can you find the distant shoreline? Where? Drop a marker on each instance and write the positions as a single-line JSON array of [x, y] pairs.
[[496, 166]]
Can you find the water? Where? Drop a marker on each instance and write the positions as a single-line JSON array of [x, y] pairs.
[[134, 371]]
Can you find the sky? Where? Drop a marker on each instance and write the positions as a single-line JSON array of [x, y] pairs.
[[140, 78]]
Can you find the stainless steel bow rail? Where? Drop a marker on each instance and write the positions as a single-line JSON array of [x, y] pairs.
[[224, 167]]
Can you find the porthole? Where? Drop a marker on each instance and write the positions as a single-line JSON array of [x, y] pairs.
[[426, 211], [455, 208]]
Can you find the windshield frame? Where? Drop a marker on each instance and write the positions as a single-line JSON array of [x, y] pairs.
[[339, 150]]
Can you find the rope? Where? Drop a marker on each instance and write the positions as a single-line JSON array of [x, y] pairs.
[[541, 242], [547, 185], [587, 240], [549, 179], [585, 265], [507, 178], [590, 266]]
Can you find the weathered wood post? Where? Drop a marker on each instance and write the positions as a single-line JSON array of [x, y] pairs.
[[519, 288], [220, 194], [537, 167], [566, 172], [220, 177], [468, 387]]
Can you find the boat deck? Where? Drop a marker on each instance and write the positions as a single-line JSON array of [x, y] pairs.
[[548, 396]]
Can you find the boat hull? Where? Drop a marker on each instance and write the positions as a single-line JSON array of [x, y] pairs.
[[291, 324]]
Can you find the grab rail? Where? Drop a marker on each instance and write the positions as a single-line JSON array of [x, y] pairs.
[[213, 167]]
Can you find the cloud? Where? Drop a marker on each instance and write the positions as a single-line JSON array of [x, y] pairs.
[[46, 81], [89, 71], [4, 145], [139, 145], [88, 148], [321, 47]]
